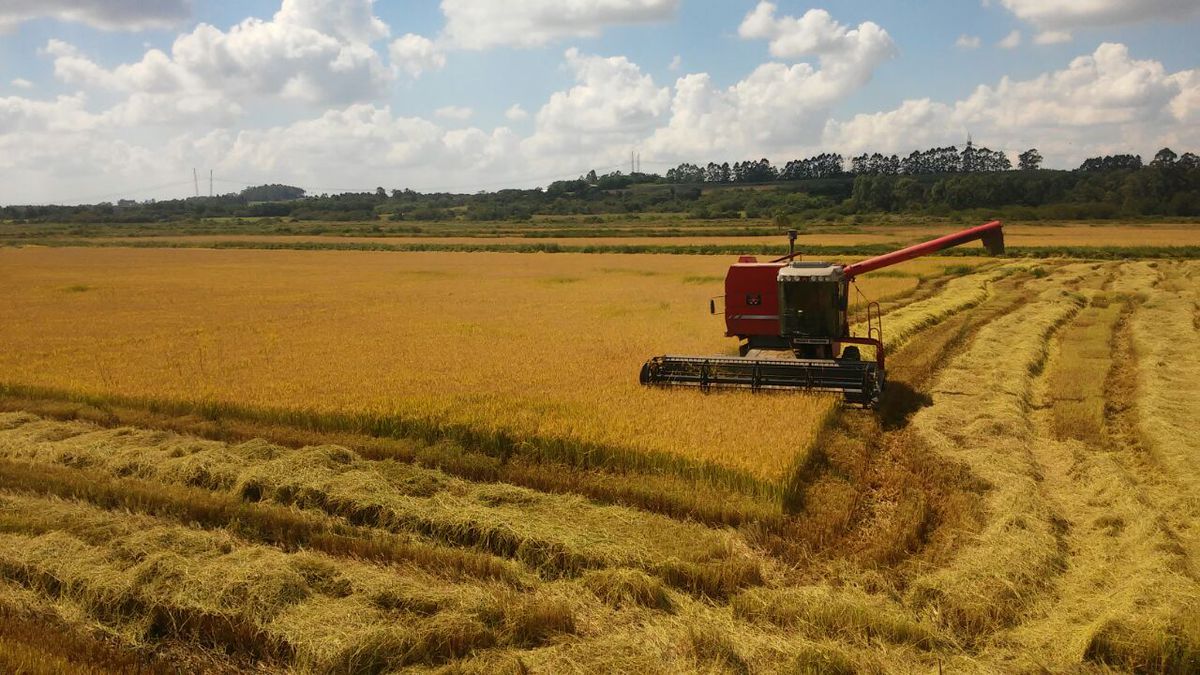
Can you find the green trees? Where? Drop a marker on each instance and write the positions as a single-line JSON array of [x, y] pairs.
[[272, 193], [1030, 160]]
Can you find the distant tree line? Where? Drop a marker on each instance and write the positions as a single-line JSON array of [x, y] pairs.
[[937, 181]]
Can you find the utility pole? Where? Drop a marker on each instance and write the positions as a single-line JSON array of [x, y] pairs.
[[210, 190], [196, 181]]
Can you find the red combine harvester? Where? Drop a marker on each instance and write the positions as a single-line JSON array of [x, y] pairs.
[[791, 319]]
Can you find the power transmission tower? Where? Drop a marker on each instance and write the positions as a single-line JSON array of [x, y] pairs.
[[196, 181], [210, 190]]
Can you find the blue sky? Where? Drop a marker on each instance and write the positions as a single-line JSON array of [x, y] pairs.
[[692, 80]]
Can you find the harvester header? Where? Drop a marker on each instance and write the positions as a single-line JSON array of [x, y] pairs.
[[791, 320]]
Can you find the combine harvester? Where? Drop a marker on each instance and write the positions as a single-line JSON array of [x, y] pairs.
[[791, 319]]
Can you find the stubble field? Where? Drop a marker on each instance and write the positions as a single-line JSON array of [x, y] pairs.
[[363, 462]]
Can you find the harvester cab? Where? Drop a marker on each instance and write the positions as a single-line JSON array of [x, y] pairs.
[[791, 319]]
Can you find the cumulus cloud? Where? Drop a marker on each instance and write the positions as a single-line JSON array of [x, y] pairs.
[[777, 104], [132, 15], [675, 64], [1103, 102], [1010, 41], [415, 54], [365, 144], [612, 103], [21, 83], [348, 20], [1069, 14], [818, 34], [968, 42], [471, 24], [63, 114], [516, 113], [312, 50]]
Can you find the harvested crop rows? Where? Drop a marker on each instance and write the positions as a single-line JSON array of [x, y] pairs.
[[1023, 500]]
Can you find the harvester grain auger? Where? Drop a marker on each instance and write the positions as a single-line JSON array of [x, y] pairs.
[[791, 319]]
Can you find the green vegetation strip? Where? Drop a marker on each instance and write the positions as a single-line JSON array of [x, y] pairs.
[[862, 250]]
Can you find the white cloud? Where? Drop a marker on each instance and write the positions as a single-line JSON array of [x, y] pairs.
[[132, 15], [516, 113], [612, 103], [1069, 14], [63, 114], [818, 34], [675, 64], [471, 24], [1010, 41], [415, 54], [454, 112], [21, 83], [965, 41], [348, 20], [365, 145], [286, 57], [1100, 103], [777, 105], [1052, 37]]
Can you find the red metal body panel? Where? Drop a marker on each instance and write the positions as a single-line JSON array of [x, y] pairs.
[[752, 299], [989, 232]]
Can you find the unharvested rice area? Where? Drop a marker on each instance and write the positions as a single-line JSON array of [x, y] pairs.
[[541, 350]]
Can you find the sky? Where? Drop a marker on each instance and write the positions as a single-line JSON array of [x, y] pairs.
[[108, 99]]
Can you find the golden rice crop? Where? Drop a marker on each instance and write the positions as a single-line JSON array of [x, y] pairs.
[[532, 346]]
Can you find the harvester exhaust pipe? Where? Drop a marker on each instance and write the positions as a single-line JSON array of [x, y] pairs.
[[791, 244]]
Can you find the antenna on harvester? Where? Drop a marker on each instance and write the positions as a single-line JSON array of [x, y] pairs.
[[196, 181]]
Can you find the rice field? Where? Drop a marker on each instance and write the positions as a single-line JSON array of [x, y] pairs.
[[220, 461], [486, 345]]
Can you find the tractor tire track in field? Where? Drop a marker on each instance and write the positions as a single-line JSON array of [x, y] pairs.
[[874, 491]]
